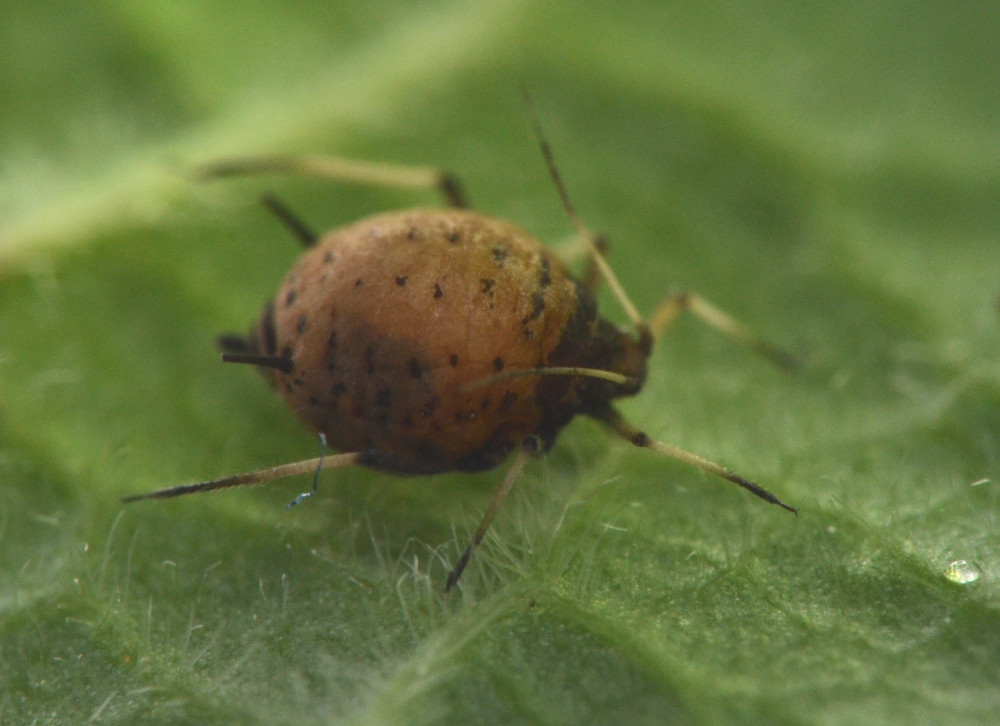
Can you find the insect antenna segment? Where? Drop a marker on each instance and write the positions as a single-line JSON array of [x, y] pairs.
[[290, 219]]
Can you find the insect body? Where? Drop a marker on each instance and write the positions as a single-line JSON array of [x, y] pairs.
[[428, 341], [386, 333]]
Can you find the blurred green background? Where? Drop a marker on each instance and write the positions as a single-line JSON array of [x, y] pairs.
[[828, 172]]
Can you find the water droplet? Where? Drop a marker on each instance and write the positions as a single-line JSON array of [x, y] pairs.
[[961, 572]]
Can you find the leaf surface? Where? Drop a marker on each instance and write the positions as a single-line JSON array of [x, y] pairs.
[[828, 174]]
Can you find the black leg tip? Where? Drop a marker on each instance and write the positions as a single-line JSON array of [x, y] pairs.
[[459, 568]]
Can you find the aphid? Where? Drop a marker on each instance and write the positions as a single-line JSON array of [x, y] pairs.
[[428, 341]]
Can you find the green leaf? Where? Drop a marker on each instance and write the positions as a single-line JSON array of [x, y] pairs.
[[827, 173]]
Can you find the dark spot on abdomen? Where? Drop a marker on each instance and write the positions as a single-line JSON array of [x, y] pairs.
[[415, 370], [507, 401], [383, 399]]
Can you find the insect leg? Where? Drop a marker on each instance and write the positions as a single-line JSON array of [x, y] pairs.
[[671, 308], [528, 448], [346, 170], [623, 428], [261, 476], [598, 269]]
